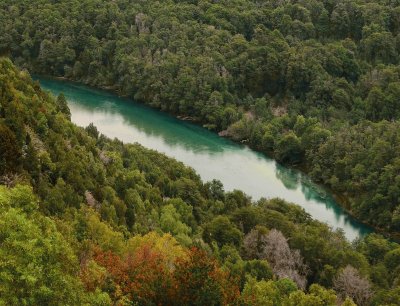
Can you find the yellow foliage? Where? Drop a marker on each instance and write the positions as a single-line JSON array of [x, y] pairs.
[[102, 234], [165, 244]]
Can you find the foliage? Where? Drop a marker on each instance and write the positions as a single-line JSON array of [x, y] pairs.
[[38, 267], [285, 77], [107, 223]]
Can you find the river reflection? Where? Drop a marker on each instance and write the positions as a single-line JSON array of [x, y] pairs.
[[213, 157]]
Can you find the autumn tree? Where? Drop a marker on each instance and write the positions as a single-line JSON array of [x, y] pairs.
[[199, 281]]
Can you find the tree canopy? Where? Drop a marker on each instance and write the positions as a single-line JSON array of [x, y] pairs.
[[285, 77], [86, 220]]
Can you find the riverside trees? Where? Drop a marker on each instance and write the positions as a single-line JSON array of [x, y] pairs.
[[252, 69]]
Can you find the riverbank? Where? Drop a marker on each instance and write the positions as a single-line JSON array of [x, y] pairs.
[[343, 201], [212, 157]]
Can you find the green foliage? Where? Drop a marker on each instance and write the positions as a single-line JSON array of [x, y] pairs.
[[63, 106], [9, 150], [251, 70], [294, 80], [38, 266], [363, 161], [221, 230]]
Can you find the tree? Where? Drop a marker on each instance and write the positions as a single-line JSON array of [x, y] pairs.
[[317, 296], [288, 148], [392, 259], [142, 273], [285, 263], [223, 231], [254, 242], [374, 103], [171, 222], [10, 151], [91, 129], [272, 246], [63, 105], [40, 267], [216, 189], [262, 293], [349, 283], [199, 281]]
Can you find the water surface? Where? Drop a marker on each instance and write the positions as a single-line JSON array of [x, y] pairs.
[[213, 157]]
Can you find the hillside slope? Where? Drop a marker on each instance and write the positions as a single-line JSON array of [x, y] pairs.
[[293, 79], [85, 220]]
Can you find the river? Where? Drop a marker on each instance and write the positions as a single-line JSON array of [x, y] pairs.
[[213, 157]]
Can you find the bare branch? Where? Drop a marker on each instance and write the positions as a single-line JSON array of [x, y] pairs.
[[349, 283]]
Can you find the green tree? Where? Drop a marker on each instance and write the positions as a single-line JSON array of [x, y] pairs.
[[223, 231], [41, 268], [288, 148], [10, 152]]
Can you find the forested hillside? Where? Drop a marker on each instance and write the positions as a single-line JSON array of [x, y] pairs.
[[315, 83], [85, 220]]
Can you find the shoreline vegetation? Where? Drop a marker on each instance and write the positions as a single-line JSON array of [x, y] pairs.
[[86, 220], [339, 198], [115, 223], [291, 80]]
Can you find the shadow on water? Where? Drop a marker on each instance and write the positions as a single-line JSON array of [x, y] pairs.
[[294, 179], [235, 165], [150, 122], [289, 177]]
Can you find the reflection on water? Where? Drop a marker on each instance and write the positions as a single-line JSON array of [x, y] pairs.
[[288, 177], [236, 166]]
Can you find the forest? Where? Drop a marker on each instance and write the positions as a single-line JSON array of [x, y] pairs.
[[87, 220], [314, 84]]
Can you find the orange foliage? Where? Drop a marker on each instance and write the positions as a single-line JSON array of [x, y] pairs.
[[200, 281], [140, 276], [146, 275]]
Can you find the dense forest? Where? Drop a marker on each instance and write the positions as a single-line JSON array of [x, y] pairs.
[[313, 83], [86, 220]]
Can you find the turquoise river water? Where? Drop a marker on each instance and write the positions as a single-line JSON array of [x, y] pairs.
[[213, 157]]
